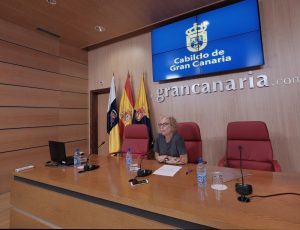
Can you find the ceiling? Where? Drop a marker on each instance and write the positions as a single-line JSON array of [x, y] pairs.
[[74, 20]]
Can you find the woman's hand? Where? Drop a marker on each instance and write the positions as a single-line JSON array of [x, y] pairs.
[[173, 160], [161, 158], [177, 160]]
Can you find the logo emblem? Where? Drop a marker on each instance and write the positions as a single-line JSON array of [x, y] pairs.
[[126, 117], [140, 113], [113, 115], [196, 37]]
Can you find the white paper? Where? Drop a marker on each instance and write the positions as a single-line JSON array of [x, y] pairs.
[[167, 170]]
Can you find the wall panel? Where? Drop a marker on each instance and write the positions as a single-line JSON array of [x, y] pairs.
[[27, 38], [278, 105], [72, 53], [73, 68], [18, 75], [34, 156], [18, 117], [32, 97], [44, 96], [24, 56]]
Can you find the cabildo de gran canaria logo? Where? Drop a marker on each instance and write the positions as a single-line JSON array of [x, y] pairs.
[[196, 37], [196, 42]]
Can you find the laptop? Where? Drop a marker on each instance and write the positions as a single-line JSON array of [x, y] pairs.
[[58, 153]]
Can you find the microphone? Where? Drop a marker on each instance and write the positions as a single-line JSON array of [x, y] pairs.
[[143, 172], [102, 143], [241, 188], [90, 167]]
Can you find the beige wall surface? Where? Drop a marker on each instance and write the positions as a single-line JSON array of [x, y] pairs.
[[43, 96], [278, 104]]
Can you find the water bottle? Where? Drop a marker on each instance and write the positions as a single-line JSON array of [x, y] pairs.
[[201, 173], [128, 158], [77, 160]]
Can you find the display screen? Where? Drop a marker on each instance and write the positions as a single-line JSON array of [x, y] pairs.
[[222, 39]]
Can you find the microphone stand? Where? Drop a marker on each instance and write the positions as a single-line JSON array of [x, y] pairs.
[[143, 172], [241, 188], [90, 167]]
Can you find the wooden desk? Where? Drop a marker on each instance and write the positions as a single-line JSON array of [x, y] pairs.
[[62, 198]]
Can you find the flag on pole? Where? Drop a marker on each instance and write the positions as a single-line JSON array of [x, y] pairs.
[[113, 120], [141, 113], [126, 106]]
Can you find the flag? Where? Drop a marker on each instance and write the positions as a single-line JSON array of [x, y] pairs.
[[113, 120], [126, 106], [141, 112]]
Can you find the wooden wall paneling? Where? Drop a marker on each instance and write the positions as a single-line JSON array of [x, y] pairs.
[[18, 75], [16, 139], [72, 53], [72, 132], [294, 26], [24, 56], [18, 117], [73, 84], [277, 105], [73, 68], [35, 40], [72, 116], [71, 146], [43, 97], [16, 159], [12, 160], [73, 100], [22, 96]]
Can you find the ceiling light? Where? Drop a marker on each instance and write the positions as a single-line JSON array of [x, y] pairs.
[[52, 2], [100, 28]]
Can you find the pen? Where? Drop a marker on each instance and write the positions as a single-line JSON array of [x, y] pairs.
[[189, 171]]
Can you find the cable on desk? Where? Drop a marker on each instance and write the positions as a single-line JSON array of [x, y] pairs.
[[276, 194]]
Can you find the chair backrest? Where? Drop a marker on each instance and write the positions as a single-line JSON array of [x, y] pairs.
[[190, 132], [253, 136], [136, 137]]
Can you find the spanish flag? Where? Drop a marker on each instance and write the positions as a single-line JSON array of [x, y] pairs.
[[113, 120], [141, 113], [126, 106]]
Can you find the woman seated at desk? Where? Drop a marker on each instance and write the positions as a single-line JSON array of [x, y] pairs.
[[169, 146]]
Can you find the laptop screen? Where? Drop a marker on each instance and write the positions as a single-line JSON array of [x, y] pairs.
[[57, 151]]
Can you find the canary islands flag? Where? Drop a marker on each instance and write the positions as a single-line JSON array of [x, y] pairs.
[[113, 120], [141, 113], [126, 106]]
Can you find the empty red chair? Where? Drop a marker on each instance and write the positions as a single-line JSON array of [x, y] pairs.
[[257, 152], [136, 137], [190, 132]]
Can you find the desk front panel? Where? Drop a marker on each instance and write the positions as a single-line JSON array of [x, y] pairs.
[[176, 197]]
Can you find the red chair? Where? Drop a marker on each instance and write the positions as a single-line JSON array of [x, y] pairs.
[[190, 132], [136, 137], [257, 152]]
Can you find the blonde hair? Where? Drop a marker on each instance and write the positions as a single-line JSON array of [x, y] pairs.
[[172, 121]]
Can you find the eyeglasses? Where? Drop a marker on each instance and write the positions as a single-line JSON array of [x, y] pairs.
[[161, 125]]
